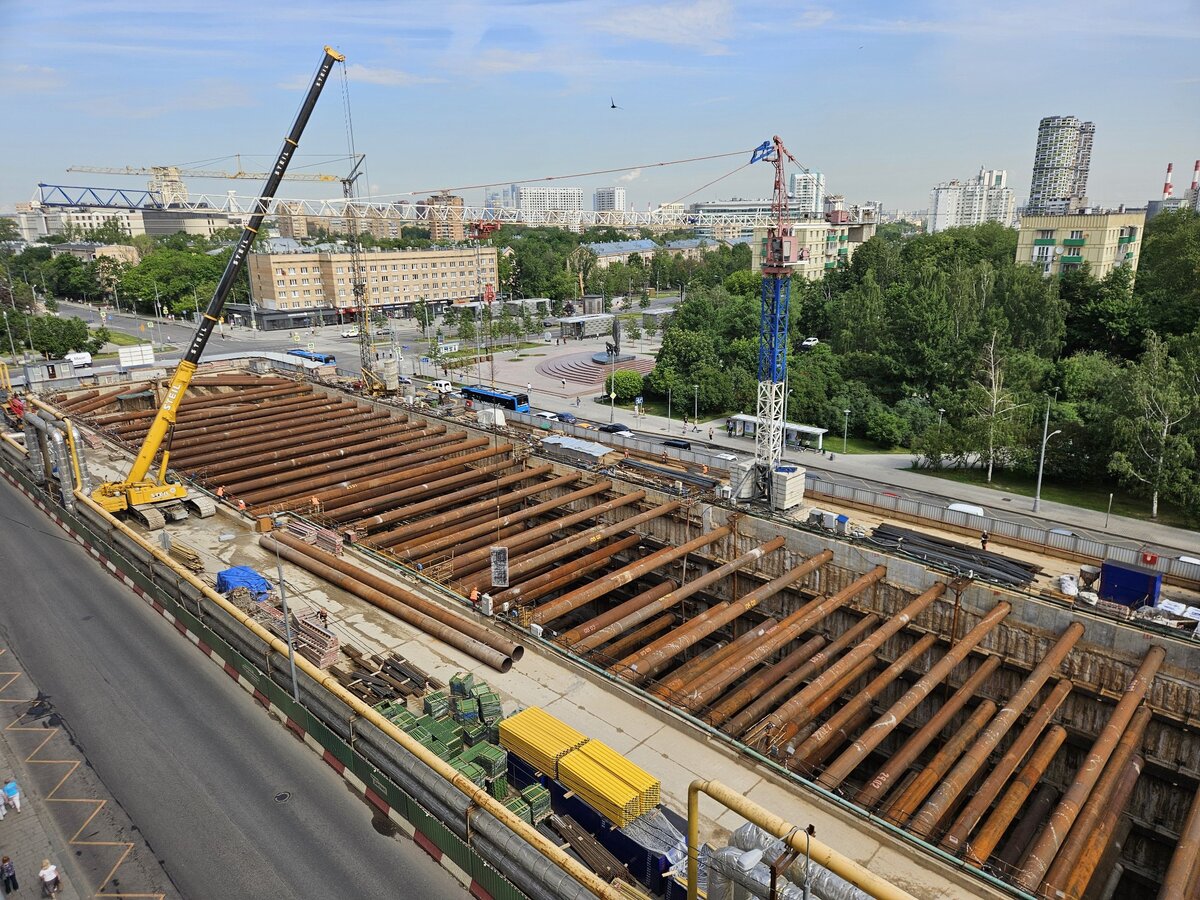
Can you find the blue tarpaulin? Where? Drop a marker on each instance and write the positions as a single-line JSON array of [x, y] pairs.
[[243, 576]]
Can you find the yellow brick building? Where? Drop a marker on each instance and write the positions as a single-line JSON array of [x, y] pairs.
[[1057, 244], [827, 245]]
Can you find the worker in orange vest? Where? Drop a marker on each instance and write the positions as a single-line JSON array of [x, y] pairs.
[[221, 493], [474, 598]]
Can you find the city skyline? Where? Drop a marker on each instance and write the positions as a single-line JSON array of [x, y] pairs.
[[468, 94]]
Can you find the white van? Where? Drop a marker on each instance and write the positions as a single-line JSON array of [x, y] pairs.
[[80, 360], [441, 387]]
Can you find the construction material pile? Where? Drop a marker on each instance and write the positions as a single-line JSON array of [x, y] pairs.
[[609, 783], [390, 677], [954, 557], [539, 738]]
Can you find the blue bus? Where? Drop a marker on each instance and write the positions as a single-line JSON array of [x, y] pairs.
[[327, 359], [479, 394]]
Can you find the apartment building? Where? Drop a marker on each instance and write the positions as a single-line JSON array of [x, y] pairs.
[[984, 198], [1061, 163], [544, 199], [807, 190], [816, 246], [609, 198], [1057, 244], [444, 213]]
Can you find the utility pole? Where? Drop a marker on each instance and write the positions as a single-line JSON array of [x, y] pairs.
[[11, 346], [696, 406], [1046, 435]]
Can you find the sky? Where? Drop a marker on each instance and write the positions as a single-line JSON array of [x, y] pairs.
[[886, 98]]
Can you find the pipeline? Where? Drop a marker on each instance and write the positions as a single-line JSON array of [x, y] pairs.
[[841, 767], [676, 686], [646, 663], [75, 448], [730, 866], [287, 440], [981, 798], [1097, 840], [835, 727], [755, 686], [645, 633], [616, 621], [308, 460], [880, 783], [1184, 869], [556, 609], [823, 884], [264, 458], [636, 602], [782, 688], [1100, 799], [994, 827], [348, 571], [58, 450], [224, 436], [566, 573], [1064, 815], [976, 757], [533, 843], [401, 489]]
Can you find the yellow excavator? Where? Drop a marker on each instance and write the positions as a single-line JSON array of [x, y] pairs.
[[154, 497]]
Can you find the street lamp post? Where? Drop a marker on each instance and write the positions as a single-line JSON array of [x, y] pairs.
[[845, 428], [1046, 435], [941, 412], [696, 406], [11, 345], [668, 409]]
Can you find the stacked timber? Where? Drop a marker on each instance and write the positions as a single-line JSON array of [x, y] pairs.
[[590, 850]]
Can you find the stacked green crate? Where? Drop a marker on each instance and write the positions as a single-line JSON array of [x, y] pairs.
[[538, 799], [493, 759], [421, 735], [461, 684], [402, 718], [489, 706], [466, 709], [498, 787], [436, 704], [480, 687], [449, 733], [474, 734], [520, 808]]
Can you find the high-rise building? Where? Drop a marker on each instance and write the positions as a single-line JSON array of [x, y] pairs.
[[544, 199], [984, 198], [444, 212], [609, 198], [1060, 165], [807, 191]]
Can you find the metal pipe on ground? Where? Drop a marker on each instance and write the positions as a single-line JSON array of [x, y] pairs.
[[560, 607], [1041, 856], [102, 400], [567, 572], [305, 488], [764, 679], [1098, 838], [901, 808], [68, 406], [954, 784], [577, 542], [1020, 838], [1098, 801], [850, 759], [464, 536], [396, 537], [1184, 867], [347, 572], [646, 663], [980, 847], [294, 443], [833, 728], [674, 687], [881, 782], [616, 621], [981, 798], [867, 648], [645, 633], [762, 703]]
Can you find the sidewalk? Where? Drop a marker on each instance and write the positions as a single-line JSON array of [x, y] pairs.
[[26, 837]]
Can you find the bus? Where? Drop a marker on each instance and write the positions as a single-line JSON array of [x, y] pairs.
[[514, 402], [326, 359]]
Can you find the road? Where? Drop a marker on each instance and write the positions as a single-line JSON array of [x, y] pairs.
[[190, 757]]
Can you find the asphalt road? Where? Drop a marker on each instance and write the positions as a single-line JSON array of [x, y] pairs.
[[191, 758]]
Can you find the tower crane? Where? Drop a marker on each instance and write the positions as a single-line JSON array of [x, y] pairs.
[[153, 497], [773, 321], [167, 181]]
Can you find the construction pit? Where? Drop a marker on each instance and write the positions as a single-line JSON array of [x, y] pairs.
[[955, 737]]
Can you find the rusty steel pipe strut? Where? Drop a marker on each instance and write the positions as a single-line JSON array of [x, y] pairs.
[[674, 686], [883, 780], [463, 536], [1184, 868], [1050, 840], [647, 663], [649, 595], [568, 603], [391, 494], [355, 498], [205, 420], [387, 448], [223, 435], [981, 798], [867, 648], [763, 701], [449, 634], [412, 510], [428, 608], [305, 488], [645, 633], [833, 727], [754, 686], [494, 536], [217, 458], [1096, 842], [584, 539], [568, 571], [195, 403], [1020, 838], [960, 777], [860, 718], [102, 400], [560, 524], [701, 660], [770, 724], [224, 411], [607, 626], [850, 759], [993, 829], [1071, 852], [295, 433], [310, 459], [901, 809], [635, 603]]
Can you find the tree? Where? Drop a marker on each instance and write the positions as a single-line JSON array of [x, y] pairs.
[[9, 230], [54, 337], [1152, 449], [1167, 287], [634, 332], [424, 315], [993, 402], [626, 383]]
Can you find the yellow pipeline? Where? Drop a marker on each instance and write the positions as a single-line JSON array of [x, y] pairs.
[[857, 875], [478, 796]]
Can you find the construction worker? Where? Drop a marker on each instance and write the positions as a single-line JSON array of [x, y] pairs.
[[983, 540], [241, 506], [316, 504], [221, 492], [474, 598]]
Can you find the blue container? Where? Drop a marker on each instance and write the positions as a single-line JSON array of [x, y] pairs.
[[1129, 584]]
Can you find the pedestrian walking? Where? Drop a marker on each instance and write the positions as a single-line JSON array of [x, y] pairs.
[[51, 884], [8, 874], [529, 387], [983, 539], [12, 793], [564, 384], [710, 433]]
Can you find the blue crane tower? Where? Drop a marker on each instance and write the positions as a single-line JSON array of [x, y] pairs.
[[773, 321]]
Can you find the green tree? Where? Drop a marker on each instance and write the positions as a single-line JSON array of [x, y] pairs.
[[54, 337], [626, 383], [9, 230], [424, 315], [1152, 449], [1167, 286], [994, 403]]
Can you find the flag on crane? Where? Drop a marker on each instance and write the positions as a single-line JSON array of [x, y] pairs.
[[762, 151]]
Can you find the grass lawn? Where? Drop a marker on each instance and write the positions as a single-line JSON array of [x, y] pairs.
[[125, 340], [833, 443], [1096, 498]]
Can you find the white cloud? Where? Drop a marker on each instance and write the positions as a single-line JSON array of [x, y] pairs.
[[19, 78], [629, 176], [703, 25], [389, 77], [813, 18]]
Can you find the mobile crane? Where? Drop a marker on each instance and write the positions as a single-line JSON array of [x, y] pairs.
[[152, 498]]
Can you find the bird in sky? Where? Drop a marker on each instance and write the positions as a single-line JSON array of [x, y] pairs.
[[613, 103]]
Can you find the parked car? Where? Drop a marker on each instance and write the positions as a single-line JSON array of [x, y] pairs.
[[441, 387], [548, 416], [677, 443], [617, 428], [404, 379], [567, 417], [809, 342], [349, 332]]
